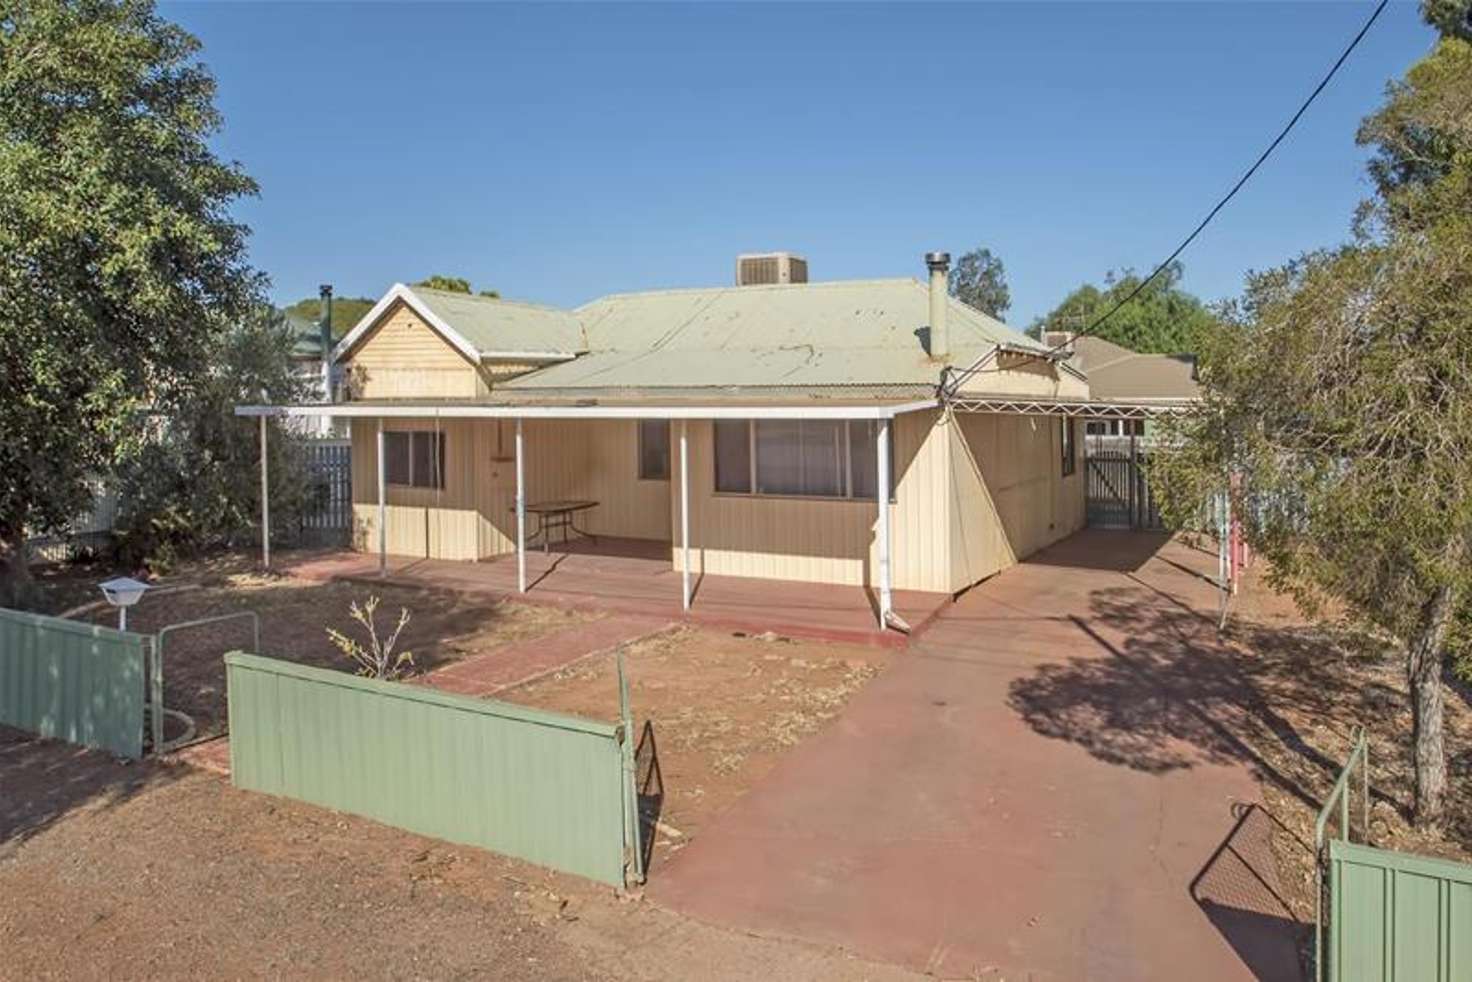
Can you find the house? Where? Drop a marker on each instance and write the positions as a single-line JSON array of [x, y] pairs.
[[311, 359], [1117, 374], [873, 433]]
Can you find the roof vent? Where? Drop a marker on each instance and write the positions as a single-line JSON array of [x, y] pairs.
[[766, 268]]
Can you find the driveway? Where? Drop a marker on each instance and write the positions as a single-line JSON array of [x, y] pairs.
[[1048, 785]]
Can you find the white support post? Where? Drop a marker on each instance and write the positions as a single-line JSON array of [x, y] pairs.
[[382, 503], [886, 596], [685, 513], [520, 512], [265, 504]]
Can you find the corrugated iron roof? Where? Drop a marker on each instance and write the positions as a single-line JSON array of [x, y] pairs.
[[855, 332], [1116, 372], [494, 325]]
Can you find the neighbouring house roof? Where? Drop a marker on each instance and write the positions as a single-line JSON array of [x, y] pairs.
[[307, 338], [481, 328], [795, 336], [1116, 372]]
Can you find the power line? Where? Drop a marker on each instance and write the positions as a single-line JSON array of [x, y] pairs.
[[1344, 56]]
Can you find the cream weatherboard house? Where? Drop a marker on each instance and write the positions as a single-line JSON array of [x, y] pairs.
[[876, 433]]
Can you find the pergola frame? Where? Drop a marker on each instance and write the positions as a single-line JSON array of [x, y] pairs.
[[1082, 408]]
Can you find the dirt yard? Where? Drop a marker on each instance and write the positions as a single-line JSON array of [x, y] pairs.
[[715, 712], [110, 870], [294, 614], [1310, 686]]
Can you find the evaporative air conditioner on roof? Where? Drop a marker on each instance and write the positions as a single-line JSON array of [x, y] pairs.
[[765, 268]]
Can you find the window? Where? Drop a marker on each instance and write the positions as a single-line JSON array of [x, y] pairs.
[[811, 458], [654, 450], [414, 459], [733, 456], [1065, 429]]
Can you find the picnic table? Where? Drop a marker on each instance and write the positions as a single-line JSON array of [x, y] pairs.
[[559, 514]]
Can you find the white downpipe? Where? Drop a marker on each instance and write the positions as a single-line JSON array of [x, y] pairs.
[[886, 596], [685, 513], [265, 507], [520, 512], [382, 503]]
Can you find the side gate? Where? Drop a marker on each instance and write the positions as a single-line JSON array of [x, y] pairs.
[[1116, 494], [327, 516]]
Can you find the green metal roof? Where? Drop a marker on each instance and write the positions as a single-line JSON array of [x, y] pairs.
[[494, 325], [856, 332]]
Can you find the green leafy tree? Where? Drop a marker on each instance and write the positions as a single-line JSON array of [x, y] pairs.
[[346, 312], [193, 484], [1163, 319], [980, 281], [119, 261], [450, 284], [1342, 394]]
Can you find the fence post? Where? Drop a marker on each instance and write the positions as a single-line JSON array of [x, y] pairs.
[[634, 822]]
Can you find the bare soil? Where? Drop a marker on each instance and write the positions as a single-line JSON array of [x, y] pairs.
[[110, 870], [294, 616], [1314, 683], [715, 712]]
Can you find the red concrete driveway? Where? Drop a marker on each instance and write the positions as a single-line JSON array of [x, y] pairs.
[[1047, 785]]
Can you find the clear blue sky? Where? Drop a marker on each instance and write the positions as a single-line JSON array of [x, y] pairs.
[[558, 153]]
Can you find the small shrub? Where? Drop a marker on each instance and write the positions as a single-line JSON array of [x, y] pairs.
[[378, 660]]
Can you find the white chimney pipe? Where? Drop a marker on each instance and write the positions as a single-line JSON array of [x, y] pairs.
[[940, 295]]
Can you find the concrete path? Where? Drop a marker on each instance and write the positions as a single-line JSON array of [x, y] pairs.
[[521, 661], [1045, 786]]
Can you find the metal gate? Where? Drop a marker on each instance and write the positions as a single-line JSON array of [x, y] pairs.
[[327, 518], [1117, 495]]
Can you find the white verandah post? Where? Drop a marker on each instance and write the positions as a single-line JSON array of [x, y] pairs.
[[265, 504], [520, 512], [886, 596], [685, 513], [382, 503]]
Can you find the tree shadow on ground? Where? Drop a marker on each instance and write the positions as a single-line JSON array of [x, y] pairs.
[[1163, 693], [46, 780], [1238, 890], [1162, 690]]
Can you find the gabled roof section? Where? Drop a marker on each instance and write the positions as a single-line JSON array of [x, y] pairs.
[[1116, 372], [855, 332], [480, 328]]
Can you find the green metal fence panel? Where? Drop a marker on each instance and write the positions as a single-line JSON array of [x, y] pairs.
[[1397, 917], [69, 681], [541, 786]]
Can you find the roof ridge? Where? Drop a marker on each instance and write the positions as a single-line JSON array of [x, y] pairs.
[[818, 285], [506, 301]]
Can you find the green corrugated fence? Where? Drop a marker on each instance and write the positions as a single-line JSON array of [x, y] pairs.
[[1396, 917], [541, 786], [70, 681]]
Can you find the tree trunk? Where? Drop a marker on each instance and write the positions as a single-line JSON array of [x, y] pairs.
[[15, 572], [1424, 664]]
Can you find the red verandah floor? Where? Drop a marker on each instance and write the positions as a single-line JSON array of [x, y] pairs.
[[635, 577]]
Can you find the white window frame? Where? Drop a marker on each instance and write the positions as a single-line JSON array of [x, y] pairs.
[[848, 469]]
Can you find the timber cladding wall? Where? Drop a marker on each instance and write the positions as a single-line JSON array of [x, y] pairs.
[[75, 682], [1010, 497], [823, 540], [471, 516], [540, 786], [403, 357]]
